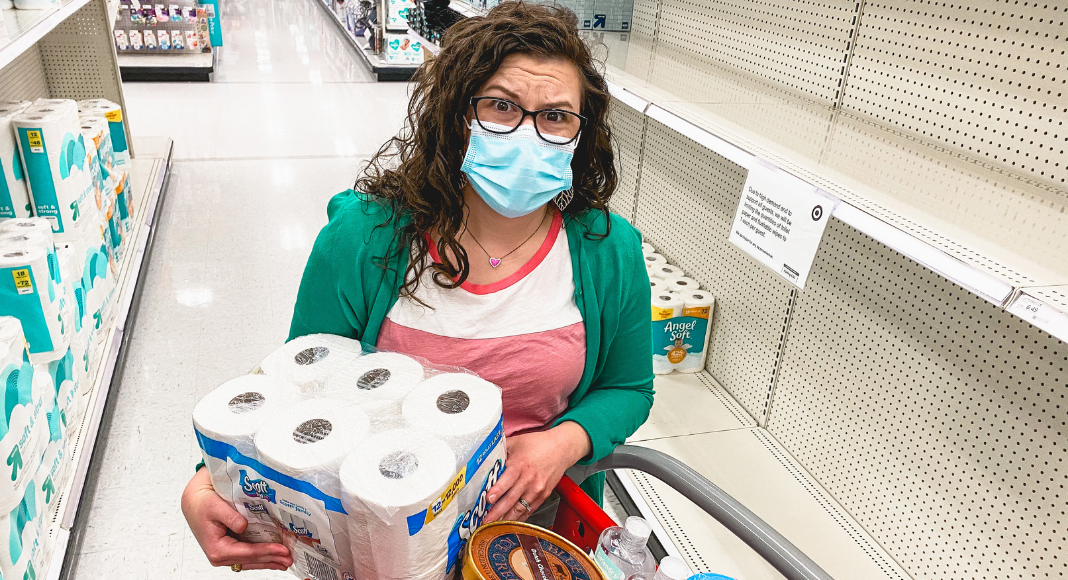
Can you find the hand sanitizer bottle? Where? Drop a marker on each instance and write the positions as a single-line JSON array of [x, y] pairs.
[[672, 568], [621, 551]]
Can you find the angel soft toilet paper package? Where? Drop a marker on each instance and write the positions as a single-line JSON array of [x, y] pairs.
[[364, 464]]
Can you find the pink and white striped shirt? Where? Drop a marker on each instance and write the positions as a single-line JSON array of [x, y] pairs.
[[524, 333]]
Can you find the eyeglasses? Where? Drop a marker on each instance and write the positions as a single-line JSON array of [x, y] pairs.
[[553, 125]]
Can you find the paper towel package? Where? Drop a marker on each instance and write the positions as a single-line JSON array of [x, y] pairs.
[[364, 464], [55, 159], [14, 198]]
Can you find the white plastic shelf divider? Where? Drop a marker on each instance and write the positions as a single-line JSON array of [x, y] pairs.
[[147, 178], [984, 228], [24, 28]]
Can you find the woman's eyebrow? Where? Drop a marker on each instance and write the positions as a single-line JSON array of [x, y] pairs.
[[568, 105]]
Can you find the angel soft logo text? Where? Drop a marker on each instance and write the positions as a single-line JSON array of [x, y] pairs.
[[679, 329]]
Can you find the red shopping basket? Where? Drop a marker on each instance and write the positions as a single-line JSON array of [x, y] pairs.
[[581, 520]]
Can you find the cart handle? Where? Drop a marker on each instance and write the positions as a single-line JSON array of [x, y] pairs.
[[770, 544]]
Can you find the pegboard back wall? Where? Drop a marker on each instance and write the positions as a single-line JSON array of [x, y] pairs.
[[799, 44], [628, 129], [79, 56], [985, 77], [23, 79], [687, 197], [935, 418]]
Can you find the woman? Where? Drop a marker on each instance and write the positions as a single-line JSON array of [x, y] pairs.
[[490, 247]]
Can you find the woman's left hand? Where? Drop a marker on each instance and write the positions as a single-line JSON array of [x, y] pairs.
[[535, 464]]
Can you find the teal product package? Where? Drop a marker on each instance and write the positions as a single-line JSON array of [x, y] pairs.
[[28, 293], [54, 155], [669, 332], [696, 321], [24, 433], [14, 198]]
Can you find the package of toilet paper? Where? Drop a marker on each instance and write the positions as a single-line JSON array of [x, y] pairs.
[[54, 156], [112, 113], [28, 292], [364, 464], [14, 198], [24, 431], [21, 529]]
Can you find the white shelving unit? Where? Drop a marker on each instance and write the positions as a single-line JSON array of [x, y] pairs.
[[376, 63], [987, 229], [25, 27], [696, 421], [69, 53], [149, 174]]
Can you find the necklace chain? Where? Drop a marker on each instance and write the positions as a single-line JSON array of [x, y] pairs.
[[494, 262]]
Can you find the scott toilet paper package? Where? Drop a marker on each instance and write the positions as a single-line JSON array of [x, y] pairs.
[[58, 174], [364, 464], [14, 198]]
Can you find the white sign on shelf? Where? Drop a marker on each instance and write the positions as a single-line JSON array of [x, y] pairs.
[[1041, 315], [780, 221]]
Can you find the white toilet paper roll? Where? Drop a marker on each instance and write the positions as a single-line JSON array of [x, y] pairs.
[[377, 382], [309, 440], [391, 476], [14, 198], [647, 248], [31, 296], [682, 284], [665, 307], [460, 408], [55, 158], [698, 305], [32, 232], [12, 342], [112, 113], [234, 412], [307, 361], [20, 534], [665, 271], [656, 285], [655, 258]]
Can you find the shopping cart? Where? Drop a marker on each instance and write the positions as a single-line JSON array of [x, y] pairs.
[[581, 520]]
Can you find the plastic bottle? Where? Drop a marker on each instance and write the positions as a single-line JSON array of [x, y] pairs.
[[672, 568], [621, 551]]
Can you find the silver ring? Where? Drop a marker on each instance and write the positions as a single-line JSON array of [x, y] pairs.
[[525, 505]]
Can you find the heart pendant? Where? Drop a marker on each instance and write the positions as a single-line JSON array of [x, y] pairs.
[[494, 262]]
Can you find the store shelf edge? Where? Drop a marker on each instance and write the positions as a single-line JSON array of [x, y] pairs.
[[381, 71]]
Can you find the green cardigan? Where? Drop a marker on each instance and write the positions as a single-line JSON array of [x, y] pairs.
[[344, 291]]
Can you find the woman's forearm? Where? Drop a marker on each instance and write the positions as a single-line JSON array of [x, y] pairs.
[[574, 441]]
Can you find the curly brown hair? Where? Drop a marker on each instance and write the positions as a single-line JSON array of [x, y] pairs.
[[417, 173]]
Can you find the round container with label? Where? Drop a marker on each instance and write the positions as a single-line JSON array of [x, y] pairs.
[[517, 551]]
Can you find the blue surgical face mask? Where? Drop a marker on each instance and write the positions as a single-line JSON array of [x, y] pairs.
[[519, 172]]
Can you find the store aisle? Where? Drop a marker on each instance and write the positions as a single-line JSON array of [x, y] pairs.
[[287, 123]]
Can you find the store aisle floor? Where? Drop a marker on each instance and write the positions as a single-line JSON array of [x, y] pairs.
[[289, 119]]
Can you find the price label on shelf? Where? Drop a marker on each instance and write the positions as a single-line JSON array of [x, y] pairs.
[[780, 222], [1041, 315]]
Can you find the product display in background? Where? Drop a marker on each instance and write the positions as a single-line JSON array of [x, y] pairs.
[[367, 464], [681, 316], [162, 28], [401, 48], [397, 15]]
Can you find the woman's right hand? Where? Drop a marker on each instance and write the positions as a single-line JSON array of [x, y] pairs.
[[211, 519]]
